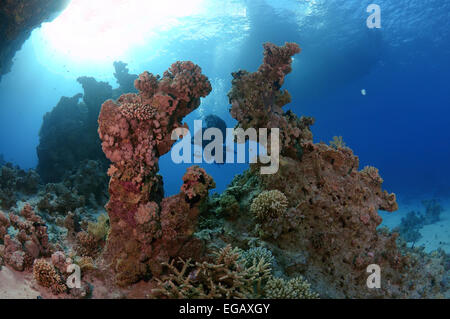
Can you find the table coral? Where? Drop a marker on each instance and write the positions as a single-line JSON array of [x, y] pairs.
[[147, 229]]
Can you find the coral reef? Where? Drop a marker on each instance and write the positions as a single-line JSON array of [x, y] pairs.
[[124, 79], [269, 205], [90, 181], [30, 241], [308, 230], [135, 131], [57, 199], [269, 208], [68, 135], [88, 244], [14, 183], [60, 138]]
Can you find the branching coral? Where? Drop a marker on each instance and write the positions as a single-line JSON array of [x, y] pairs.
[[4, 224], [47, 276], [30, 242], [337, 142], [372, 173], [226, 277], [295, 288], [254, 255]]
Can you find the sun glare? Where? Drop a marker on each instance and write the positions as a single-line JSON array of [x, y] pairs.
[[106, 29]]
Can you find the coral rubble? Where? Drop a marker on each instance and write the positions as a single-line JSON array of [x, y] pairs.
[[295, 288]]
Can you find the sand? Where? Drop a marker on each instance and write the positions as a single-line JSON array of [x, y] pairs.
[[434, 236], [16, 285]]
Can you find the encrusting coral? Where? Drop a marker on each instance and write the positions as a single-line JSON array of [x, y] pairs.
[[314, 221], [256, 99], [254, 255], [135, 131], [337, 142], [15, 182]]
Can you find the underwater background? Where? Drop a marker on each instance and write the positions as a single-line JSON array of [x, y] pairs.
[[399, 126], [385, 91]]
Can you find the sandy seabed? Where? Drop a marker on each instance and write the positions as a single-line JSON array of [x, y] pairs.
[[434, 236], [16, 285]]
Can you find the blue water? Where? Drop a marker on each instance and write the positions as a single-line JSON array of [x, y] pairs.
[[400, 126]]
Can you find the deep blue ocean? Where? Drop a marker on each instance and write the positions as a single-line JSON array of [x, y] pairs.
[[400, 125]]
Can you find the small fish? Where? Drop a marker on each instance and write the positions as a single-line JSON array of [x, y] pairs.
[[363, 92]]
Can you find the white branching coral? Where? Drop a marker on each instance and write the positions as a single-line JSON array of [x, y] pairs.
[[296, 288]]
